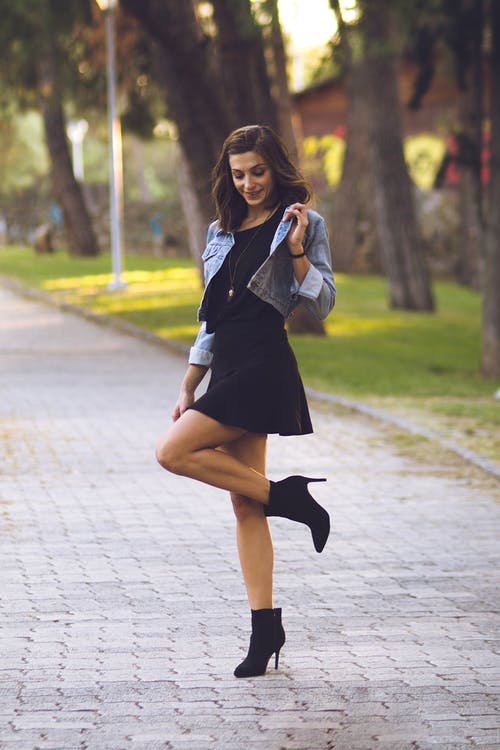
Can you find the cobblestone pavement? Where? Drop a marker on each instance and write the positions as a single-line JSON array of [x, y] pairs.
[[122, 609]]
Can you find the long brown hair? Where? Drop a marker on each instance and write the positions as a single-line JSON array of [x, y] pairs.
[[289, 185]]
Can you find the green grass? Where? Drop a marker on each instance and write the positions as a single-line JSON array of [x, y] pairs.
[[422, 365]]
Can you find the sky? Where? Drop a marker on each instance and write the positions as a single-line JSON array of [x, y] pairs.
[[309, 23]]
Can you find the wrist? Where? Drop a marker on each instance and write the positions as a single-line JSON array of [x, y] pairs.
[[298, 252]]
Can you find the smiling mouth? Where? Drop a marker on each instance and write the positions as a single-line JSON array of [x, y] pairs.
[[253, 195]]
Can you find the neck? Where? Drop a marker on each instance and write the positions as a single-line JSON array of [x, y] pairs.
[[258, 214]]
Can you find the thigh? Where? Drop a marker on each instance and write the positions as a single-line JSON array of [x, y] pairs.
[[250, 449], [194, 431]]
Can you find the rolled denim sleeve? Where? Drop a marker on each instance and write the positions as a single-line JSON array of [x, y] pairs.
[[201, 351], [318, 286]]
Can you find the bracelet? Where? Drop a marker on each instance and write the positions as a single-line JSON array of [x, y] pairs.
[[299, 255]]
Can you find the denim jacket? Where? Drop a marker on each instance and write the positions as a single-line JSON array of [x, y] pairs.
[[274, 281]]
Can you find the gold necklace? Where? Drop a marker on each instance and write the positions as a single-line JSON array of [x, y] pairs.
[[232, 272]]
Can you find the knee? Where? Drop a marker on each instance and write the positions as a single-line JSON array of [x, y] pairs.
[[169, 457], [244, 508]]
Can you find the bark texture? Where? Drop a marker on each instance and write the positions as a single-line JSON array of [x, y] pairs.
[[195, 99], [80, 234], [404, 262], [277, 63], [354, 225], [468, 52], [243, 73], [490, 355]]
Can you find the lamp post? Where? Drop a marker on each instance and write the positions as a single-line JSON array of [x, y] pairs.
[[77, 130], [115, 151]]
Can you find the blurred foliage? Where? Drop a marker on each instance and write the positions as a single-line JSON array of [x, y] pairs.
[[324, 154], [424, 153], [24, 157], [78, 32]]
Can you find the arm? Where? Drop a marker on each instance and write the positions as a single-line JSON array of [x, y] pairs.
[[313, 276], [192, 379], [200, 359]]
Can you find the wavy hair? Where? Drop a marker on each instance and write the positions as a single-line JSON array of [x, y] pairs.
[[289, 185]]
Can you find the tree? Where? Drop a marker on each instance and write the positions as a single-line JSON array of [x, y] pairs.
[[466, 37], [404, 262], [471, 30], [490, 356], [186, 63], [352, 202], [80, 233], [30, 40], [456, 28]]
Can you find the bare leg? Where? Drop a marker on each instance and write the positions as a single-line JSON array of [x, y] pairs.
[[255, 546], [190, 447]]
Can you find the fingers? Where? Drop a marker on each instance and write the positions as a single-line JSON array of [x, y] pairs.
[[299, 212]]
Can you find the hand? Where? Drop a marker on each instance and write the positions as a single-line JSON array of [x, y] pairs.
[[295, 237], [183, 402]]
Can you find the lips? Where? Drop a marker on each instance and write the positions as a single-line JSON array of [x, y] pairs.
[[252, 196]]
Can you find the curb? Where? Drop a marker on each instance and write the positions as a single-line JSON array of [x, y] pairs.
[[486, 465], [490, 467]]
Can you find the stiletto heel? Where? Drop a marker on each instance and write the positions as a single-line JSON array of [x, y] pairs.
[[268, 636], [290, 498]]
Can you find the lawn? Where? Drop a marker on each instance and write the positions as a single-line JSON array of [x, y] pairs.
[[421, 365]]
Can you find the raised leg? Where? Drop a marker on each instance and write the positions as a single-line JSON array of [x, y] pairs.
[[190, 447]]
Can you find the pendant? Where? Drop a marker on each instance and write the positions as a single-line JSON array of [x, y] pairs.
[[230, 294]]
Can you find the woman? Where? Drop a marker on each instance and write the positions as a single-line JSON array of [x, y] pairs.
[[265, 253]]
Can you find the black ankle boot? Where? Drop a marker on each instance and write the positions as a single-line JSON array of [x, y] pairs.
[[291, 499], [267, 639]]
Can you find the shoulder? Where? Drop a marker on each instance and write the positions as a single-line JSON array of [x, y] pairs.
[[212, 229], [314, 217], [316, 226]]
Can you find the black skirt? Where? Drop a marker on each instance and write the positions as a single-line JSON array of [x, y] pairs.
[[255, 382]]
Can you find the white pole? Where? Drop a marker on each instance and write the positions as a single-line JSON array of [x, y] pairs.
[[77, 153], [76, 130], [115, 161]]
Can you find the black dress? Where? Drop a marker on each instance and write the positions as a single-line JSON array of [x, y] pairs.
[[255, 382]]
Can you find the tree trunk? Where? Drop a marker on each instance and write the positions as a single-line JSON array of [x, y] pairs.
[[195, 99], [277, 59], [345, 204], [195, 220], [242, 65], [355, 232], [353, 210], [80, 233], [490, 356], [409, 285], [470, 139]]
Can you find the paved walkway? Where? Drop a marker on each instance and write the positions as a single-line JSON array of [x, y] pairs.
[[122, 610]]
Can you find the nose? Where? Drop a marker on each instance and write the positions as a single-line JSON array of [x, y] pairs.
[[248, 182]]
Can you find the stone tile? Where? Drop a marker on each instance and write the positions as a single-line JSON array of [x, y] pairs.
[[123, 612]]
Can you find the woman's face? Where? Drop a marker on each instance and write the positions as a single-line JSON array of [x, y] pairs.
[[252, 178]]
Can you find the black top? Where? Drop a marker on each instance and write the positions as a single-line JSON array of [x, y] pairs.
[[250, 250]]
